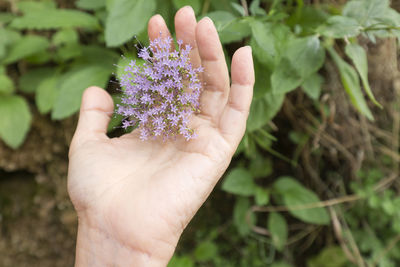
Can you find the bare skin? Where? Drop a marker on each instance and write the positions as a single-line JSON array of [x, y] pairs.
[[135, 198]]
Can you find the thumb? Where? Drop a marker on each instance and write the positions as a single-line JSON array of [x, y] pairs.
[[96, 110]]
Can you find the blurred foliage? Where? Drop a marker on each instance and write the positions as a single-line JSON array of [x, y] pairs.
[[49, 54]]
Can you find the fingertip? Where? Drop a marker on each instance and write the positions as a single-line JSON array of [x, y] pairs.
[[242, 66], [96, 98], [156, 26]]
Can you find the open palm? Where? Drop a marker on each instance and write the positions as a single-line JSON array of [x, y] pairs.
[[138, 196]]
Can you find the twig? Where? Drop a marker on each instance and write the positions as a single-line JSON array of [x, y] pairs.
[[327, 203], [388, 248], [321, 204], [245, 8]]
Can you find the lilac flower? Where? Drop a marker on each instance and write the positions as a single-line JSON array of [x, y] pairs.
[[162, 94]]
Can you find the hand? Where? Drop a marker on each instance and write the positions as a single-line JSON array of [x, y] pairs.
[[133, 197]]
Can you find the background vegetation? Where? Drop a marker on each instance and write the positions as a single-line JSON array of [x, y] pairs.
[[315, 179]]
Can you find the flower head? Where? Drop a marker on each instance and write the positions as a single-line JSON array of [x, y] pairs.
[[163, 93]]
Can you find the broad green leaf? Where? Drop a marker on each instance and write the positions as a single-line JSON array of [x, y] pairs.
[[15, 119], [285, 77], [263, 109], [366, 12], [26, 46], [312, 86], [278, 229], [183, 261], [359, 58], [29, 81], [116, 119], [54, 19], [91, 4], [6, 17], [195, 4], [306, 55], [32, 6], [97, 55], [7, 38], [65, 36], [6, 84], [67, 52], [295, 196], [225, 5], [281, 264], [340, 27], [72, 86], [240, 182], [230, 28], [260, 166], [329, 257], [127, 18], [206, 251], [261, 196], [242, 218], [46, 93], [255, 9], [271, 40], [351, 84], [238, 8], [263, 79]]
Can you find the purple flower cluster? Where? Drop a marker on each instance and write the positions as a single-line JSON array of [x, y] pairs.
[[161, 94]]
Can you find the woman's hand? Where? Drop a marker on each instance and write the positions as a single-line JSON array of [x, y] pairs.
[[133, 197]]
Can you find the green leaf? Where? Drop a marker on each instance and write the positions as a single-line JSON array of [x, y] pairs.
[[306, 55], [54, 19], [359, 57], [6, 84], [15, 120], [278, 228], [239, 182], [32, 6], [30, 80], [260, 166], [91, 4], [25, 47], [262, 110], [340, 27], [65, 36], [46, 93], [230, 29], [239, 9], [351, 84], [206, 251], [263, 79], [366, 12], [72, 86], [127, 18], [261, 196], [285, 78], [312, 86], [242, 218], [295, 196], [195, 4], [255, 9], [183, 261], [7, 38], [329, 257], [271, 40], [6, 17], [116, 119]]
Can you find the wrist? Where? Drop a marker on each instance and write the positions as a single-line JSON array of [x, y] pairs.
[[97, 248]]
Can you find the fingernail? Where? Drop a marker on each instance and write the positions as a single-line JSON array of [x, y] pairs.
[[189, 8], [208, 18], [248, 48]]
